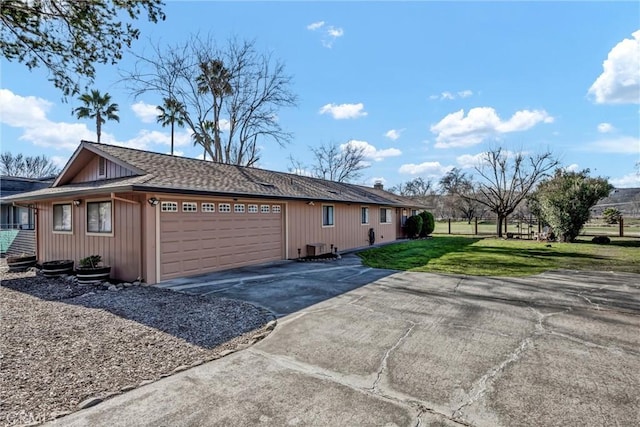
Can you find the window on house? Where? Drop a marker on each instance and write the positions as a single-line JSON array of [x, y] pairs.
[[252, 208], [62, 217], [238, 208], [275, 208], [414, 212], [364, 215], [327, 215], [264, 208], [99, 217], [224, 207], [189, 207], [208, 207], [385, 215], [169, 207]]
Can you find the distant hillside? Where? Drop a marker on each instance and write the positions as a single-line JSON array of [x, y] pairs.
[[627, 200]]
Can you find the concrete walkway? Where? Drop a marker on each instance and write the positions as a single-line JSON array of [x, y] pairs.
[[561, 348]]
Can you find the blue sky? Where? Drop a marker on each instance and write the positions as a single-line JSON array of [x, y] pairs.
[[422, 86]]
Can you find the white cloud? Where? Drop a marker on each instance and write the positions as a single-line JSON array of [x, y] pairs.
[[605, 128], [147, 113], [573, 167], [58, 135], [22, 111], [371, 152], [631, 180], [344, 111], [393, 134], [375, 180], [619, 82], [329, 33], [447, 95], [456, 130], [468, 161], [620, 145], [428, 169], [315, 26]]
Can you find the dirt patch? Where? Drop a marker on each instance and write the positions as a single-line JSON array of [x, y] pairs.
[[63, 343]]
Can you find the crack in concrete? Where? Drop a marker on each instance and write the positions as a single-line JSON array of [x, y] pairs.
[[481, 385], [383, 364], [455, 289]]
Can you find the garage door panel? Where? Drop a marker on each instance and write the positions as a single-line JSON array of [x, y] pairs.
[[198, 242]]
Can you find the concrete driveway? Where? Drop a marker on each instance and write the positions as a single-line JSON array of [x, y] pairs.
[[407, 349]]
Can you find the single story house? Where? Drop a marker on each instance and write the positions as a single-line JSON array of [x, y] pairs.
[[158, 217]]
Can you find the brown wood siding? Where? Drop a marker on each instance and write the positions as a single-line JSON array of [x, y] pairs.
[[305, 227], [91, 171], [121, 251], [199, 242]]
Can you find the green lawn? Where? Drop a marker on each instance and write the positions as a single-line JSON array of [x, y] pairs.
[[498, 257]]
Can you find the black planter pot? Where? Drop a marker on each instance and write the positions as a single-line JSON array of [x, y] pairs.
[[20, 262], [87, 275], [57, 268]]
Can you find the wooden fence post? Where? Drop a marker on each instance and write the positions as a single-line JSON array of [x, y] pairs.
[[476, 227], [449, 220], [621, 224]]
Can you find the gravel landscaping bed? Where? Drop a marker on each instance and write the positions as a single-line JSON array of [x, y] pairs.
[[65, 346]]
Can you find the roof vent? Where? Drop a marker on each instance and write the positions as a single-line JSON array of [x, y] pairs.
[[378, 185], [267, 184]]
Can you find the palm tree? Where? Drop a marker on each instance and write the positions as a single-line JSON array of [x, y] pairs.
[[171, 113], [97, 107]]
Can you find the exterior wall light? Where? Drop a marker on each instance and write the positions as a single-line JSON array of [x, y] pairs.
[[77, 202], [153, 201]]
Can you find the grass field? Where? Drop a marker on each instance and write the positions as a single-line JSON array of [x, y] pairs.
[[497, 257]]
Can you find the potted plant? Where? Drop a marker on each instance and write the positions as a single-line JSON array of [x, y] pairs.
[[21, 262], [57, 268], [91, 270]]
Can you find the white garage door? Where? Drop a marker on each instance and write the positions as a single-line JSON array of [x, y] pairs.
[[199, 237]]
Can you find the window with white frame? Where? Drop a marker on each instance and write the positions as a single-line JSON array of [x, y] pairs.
[[189, 207], [208, 207], [169, 206], [252, 208], [385, 216], [275, 208], [99, 217], [327, 215], [238, 208], [264, 209], [62, 217], [224, 207], [364, 215], [102, 167]]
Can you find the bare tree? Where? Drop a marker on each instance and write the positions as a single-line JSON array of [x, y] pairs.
[[507, 179], [27, 167], [418, 188], [457, 187], [341, 163], [338, 163], [231, 94]]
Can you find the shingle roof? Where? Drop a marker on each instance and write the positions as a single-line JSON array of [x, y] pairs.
[[180, 174]]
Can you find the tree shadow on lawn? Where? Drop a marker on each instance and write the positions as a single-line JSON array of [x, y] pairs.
[[183, 316]]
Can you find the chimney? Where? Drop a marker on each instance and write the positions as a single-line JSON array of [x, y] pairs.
[[378, 185]]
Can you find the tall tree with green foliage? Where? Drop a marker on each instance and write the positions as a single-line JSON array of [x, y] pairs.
[[171, 113], [27, 167], [68, 37], [99, 107], [564, 201]]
